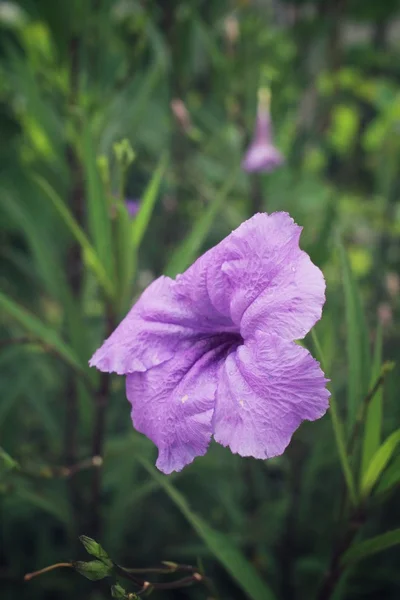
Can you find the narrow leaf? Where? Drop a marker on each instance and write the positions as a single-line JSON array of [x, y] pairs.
[[91, 258], [338, 429], [40, 330], [372, 546], [357, 340], [379, 461], [99, 218], [188, 250], [141, 221], [222, 547], [373, 419], [390, 477]]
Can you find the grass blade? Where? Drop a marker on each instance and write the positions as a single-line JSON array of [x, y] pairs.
[[229, 555], [90, 256], [39, 330], [188, 250], [338, 429], [357, 341], [141, 221], [373, 419], [99, 218], [372, 546], [379, 461]]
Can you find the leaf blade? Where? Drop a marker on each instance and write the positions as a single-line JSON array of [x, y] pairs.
[[372, 546], [379, 461], [229, 555]]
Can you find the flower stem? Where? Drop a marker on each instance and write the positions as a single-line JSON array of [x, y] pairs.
[[30, 576]]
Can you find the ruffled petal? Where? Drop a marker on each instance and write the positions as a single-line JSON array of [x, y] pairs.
[[156, 326], [267, 387], [173, 404], [258, 278]]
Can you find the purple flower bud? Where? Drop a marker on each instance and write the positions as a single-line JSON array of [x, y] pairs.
[[262, 154], [132, 206]]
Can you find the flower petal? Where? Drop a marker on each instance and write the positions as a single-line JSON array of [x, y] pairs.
[[267, 387], [257, 278], [150, 333], [173, 403], [276, 287]]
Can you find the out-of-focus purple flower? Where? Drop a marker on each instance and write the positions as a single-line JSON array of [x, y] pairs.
[[132, 206], [212, 353], [262, 154]]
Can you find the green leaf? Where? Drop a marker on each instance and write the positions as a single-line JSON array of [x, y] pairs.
[[93, 570], [58, 509], [99, 217], [117, 591], [390, 477], [141, 221], [357, 341], [92, 547], [7, 461], [40, 330], [379, 461], [338, 429], [373, 419], [91, 258], [372, 546], [188, 250], [222, 547]]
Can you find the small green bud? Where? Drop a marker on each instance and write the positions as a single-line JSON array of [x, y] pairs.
[[8, 462], [117, 591], [92, 547], [124, 153], [104, 169], [93, 570]]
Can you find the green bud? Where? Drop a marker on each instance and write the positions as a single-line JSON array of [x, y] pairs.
[[104, 169], [124, 153], [8, 462], [117, 591], [92, 547], [93, 570]]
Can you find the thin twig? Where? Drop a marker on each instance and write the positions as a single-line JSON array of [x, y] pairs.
[[30, 576], [101, 402], [336, 568]]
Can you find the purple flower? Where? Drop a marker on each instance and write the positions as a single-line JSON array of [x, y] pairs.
[[262, 154], [211, 353], [132, 207]]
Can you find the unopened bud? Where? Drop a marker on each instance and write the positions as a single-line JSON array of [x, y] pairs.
[[92, 547], [181, 113], [231, 27], [117, 591], [97, 461], [93, 570]]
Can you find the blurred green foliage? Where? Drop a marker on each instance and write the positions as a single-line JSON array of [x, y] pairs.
[[111, 99]]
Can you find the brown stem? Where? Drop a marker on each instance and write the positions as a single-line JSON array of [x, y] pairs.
[[30, 576], [364, 405], [74, 274], [336, 569], [257, 201], [101, 402], [145, 585]]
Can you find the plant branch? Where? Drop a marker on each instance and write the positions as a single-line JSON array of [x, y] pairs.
[[386, 368], [336, 568]]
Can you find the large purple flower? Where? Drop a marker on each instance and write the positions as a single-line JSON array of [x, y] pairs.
[[262, 154], [212, 352]]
